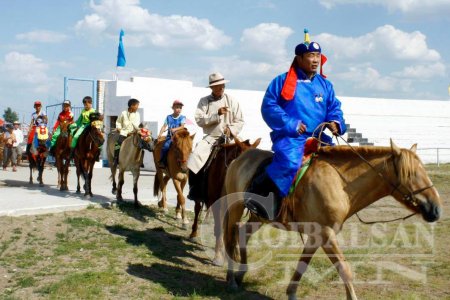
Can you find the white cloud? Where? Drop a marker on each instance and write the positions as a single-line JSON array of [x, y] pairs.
[[413, 7], [42, 36], [268, 39], [27, 72], [423, 71], [385, 42], [142, 27], [25, 67], [365, 77], [245, 73]]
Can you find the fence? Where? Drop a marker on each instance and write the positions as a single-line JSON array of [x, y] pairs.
[[434, 155], [53, 111]]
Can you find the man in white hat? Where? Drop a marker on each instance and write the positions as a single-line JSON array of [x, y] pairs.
[[218, 114]]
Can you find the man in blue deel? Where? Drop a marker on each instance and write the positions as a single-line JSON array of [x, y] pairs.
[[294, 105]]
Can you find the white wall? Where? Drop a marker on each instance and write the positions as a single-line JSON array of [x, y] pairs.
[[405, 121]]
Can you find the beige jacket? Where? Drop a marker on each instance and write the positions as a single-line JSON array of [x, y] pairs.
[[128, 122], [207, 117]]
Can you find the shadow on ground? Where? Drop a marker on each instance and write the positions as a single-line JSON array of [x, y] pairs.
[[185, 283]]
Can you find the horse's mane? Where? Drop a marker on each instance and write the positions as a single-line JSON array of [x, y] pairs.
[[406, 163], [182, 139]]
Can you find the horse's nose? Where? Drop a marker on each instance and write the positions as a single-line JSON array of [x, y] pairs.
[[431, 212], [184, 169]]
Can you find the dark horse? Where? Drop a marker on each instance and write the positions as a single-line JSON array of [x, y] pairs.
[[37, 156], [340, 182], [62, 154], [216, 172], [87, 152]]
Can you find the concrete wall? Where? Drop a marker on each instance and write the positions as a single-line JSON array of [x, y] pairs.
[[405, 121]]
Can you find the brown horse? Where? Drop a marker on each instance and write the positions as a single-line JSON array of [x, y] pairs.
[[176, 169], [130, 159], [37, 156], [215, 182], [62, 155], [87, 152], [338, 184]]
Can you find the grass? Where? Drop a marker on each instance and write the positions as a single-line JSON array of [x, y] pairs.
[[144, 254]]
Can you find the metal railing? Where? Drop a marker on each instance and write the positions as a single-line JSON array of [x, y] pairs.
[[434, 155]]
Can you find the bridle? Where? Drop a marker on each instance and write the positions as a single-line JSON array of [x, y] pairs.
[[409, 197], [95, 138]]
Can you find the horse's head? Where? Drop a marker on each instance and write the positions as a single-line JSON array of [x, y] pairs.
[[64, 128], [42, 135], [414, 188], [96, 131], [232, 151], [182, 144]]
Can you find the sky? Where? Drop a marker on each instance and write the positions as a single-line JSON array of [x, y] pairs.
[[375, 48]]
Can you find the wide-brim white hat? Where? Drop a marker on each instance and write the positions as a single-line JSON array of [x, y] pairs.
[[216, 79]]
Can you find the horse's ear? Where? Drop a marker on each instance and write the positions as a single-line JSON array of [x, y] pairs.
[[395, 149], [256, 143], [193, 136], [414, 148]]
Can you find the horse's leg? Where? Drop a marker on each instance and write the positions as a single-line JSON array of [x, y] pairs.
[[119, 188], [163, 202], [181, 201], [91, 173], [197, 209], [135, 186], [250, 227], [218, 224], [113, 169], [66, 173], [78, 168], [337, 258], [311, 246], [233, 215], [41, 171], [31, 173]]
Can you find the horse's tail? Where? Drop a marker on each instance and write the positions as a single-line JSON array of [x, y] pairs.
[[156, 185]]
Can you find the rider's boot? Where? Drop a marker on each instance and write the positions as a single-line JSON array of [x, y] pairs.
[[263, 197]]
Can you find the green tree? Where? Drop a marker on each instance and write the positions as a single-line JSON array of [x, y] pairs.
[[10, 115]]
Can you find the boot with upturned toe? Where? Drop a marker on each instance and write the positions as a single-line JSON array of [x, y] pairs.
[[263, 198]]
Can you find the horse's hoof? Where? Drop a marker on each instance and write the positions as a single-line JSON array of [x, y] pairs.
[[87, 196], [292, 297], [232, 285], [218, 261], [78, 192], [178, 217], [193, 239], [185, 226], [41, 184], [138, 204], [113, 191]]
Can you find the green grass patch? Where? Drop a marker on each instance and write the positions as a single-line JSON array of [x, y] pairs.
[[86, 285], [81, 222]]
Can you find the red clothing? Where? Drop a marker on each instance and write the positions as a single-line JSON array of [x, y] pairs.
[[145, 132], [63, 116]]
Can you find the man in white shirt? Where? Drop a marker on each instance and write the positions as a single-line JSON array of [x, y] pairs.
[[17, 151], [127, 123]]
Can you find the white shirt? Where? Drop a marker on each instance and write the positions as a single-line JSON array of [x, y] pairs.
[[19, 137], [128, 122]]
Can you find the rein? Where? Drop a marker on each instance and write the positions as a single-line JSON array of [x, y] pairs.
[[408, 198]]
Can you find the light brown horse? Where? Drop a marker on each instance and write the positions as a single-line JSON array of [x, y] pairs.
[[87, 152], [337, 185], [130, 159], [176, 169], [62, 154], [215, 188]]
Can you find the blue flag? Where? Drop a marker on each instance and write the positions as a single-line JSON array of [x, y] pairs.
[[121, 61]]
